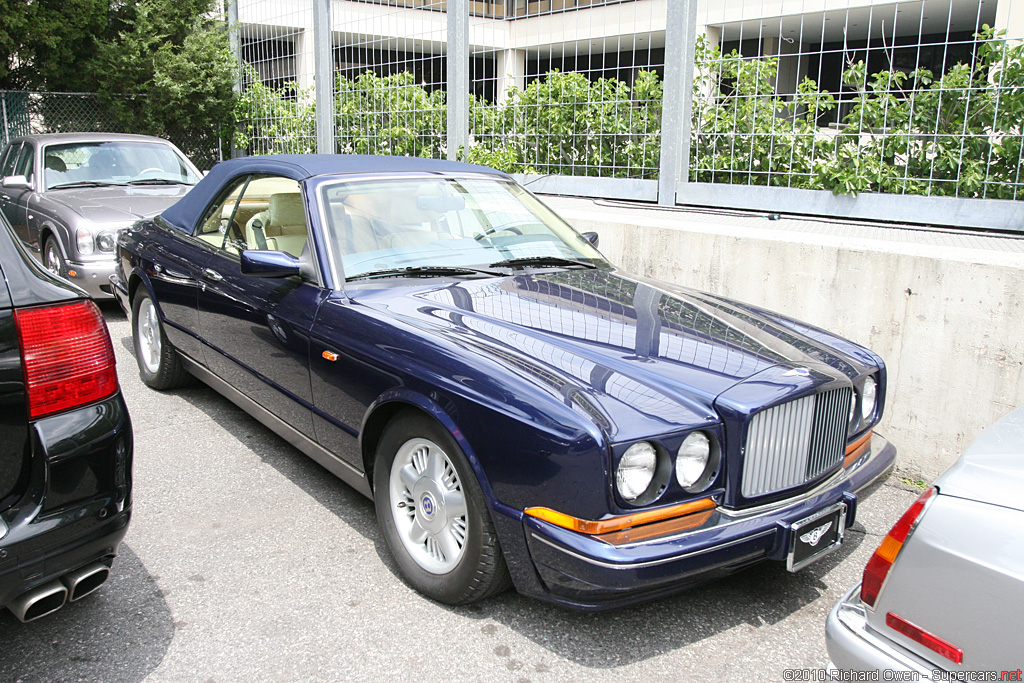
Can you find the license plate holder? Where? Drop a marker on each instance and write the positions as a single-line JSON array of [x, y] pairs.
[[815, 536]]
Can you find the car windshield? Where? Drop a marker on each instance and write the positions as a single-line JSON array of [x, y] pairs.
[[115, 163], [418, 224]]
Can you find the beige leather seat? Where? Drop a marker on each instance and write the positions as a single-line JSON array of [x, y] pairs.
[[284, 224]]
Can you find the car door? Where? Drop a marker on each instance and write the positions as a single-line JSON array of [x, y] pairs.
[[256, 330]]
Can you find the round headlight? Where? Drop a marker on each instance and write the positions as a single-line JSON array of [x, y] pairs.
[[692, 459], [105, 241], [84, 238], [867, 398], [636, 470]]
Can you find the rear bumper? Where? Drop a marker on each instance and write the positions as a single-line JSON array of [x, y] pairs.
[[76, 505], [853, 646], [65, 549], [584, 572]]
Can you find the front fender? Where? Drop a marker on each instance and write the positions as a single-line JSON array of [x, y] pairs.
[[395, 399]]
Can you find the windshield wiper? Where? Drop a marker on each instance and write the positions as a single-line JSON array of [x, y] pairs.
[[423, 271], [158, 181], [84, 183], [542, 261]]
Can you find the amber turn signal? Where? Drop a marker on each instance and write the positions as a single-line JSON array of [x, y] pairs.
[[604, 526]]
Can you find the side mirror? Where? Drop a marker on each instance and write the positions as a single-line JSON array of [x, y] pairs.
[[260, 263], [16, 181], [591, 237]]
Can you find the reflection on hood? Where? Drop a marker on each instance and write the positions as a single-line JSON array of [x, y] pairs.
[[609, 342]]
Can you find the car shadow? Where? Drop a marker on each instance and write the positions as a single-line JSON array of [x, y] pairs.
[[121, 632], [757, 597], [333, 494]]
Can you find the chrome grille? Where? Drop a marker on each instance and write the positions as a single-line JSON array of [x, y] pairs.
[[795, 442]]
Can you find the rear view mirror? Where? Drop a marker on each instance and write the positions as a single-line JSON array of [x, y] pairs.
[[440, 203], [16, 181], [269, 264], [591, 237]]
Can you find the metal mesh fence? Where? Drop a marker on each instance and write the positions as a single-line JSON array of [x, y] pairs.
[[570, 88], [276, 111], [903, 96], [390, 60], [24, 113]]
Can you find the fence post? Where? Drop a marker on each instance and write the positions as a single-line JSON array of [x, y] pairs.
[[677, 98], [235, 42], [7, 132], [458, 77], [323, 76]]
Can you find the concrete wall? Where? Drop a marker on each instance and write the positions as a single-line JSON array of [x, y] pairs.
[[944, 310]]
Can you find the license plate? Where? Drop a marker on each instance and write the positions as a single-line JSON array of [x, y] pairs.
[[816, 536]]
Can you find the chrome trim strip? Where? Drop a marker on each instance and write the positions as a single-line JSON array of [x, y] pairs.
[[341, 469], [650, 563], [747, 513]]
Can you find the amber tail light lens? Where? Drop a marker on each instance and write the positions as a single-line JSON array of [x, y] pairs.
[[67, 356], [881, 562]]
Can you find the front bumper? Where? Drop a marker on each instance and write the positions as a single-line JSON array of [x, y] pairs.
[[584, 572], [854, 646], [93, 277], [120, 292]]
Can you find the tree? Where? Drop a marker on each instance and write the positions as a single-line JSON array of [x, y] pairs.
[[44, 43], [170, 73]]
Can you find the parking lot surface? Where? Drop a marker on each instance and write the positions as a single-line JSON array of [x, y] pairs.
[[246, 561]]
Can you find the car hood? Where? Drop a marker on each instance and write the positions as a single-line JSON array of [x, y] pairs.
[[118, 204], [991, 470], [652, 355]]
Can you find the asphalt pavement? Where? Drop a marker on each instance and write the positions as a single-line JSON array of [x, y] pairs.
[[247, 561]]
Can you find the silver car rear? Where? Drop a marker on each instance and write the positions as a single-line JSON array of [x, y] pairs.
[[956, 587]]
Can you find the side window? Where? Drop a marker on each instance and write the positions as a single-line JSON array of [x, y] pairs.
[[24, 163], [272, 216], [9, 158], [220, 226]]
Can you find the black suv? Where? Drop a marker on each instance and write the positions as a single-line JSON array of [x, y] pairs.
[[65, 439]]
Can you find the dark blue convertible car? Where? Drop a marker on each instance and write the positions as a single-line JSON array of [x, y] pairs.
[[520, 411]]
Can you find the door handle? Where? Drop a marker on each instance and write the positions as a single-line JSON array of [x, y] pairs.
[[212, 275]]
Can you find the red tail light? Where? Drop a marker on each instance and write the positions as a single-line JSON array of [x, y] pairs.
[[881, 562], [67, 356], [929, 640]]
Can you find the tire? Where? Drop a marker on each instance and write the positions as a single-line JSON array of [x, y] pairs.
[[433, 514], [53, 258], [159, 364]]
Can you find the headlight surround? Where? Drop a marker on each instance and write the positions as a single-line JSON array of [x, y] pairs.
[[106, 240], [697, 462], [868, 397], [86, 244], [636, 470]]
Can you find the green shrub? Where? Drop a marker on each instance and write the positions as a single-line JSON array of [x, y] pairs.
[[905, 133]]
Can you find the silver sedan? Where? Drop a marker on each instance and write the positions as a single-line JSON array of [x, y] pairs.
[[942, 595], [68, 194]]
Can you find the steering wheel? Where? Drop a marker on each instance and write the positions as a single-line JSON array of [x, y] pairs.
[[150, 169], [490, 231]]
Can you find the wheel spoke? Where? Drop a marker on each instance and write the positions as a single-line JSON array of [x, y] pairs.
[[416, 534], [455, 504], [450, 545], [409, 476], [435, 465]]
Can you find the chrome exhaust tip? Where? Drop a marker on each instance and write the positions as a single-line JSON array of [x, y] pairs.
[[83, 581], [39, 601]]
